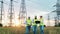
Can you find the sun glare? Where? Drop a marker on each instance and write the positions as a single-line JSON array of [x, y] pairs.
[[15, 21]]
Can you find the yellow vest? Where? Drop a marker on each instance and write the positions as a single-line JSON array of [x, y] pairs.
[[41, 20], [29, 22], [34, 22]]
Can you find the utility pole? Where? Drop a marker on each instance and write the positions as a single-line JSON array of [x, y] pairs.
[[11, 12], [1, 12], [22, 13]]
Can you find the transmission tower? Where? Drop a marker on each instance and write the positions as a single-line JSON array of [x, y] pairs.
[[11, 12], [48, 20], [55, 21], [1, 12], [22, 13], [57, 10]]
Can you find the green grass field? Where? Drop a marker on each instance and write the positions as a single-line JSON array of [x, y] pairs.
[[21, 30]]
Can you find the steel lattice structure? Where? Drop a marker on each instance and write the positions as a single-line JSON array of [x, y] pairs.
[[1, 12], [11, 12], [22, 13]]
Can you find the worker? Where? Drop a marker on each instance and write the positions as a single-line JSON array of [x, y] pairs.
[[34, 25], [28, 25], [41, 25]]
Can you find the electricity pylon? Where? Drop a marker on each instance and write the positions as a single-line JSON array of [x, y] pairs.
[[22, 13], [1, 12], [11, 13], [57, 10]]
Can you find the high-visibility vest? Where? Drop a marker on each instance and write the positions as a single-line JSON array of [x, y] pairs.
[[29, 22], [34, 22], [41, 22]]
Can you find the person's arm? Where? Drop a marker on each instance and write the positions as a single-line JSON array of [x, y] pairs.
[[32, 20]]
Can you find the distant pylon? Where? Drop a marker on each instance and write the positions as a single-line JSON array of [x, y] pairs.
[[57, 10], [22, 13], [1, 12], [11, 13], [48, 20]]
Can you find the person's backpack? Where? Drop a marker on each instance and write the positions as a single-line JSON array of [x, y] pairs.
[[37, 22]]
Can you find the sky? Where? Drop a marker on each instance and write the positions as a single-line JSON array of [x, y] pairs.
[[40, 7], [33, 7]]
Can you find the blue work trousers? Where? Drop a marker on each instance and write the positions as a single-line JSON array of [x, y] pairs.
[[27, 29], [41, 29], [34, 29]]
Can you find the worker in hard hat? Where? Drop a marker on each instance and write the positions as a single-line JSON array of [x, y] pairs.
[[41, 25], [28, 25], [34, 25]]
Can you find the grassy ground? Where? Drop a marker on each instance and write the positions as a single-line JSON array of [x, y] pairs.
[[21, 30]]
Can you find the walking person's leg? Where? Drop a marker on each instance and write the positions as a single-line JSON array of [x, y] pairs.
[[41, 29], [27, 30], [34, 29]]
